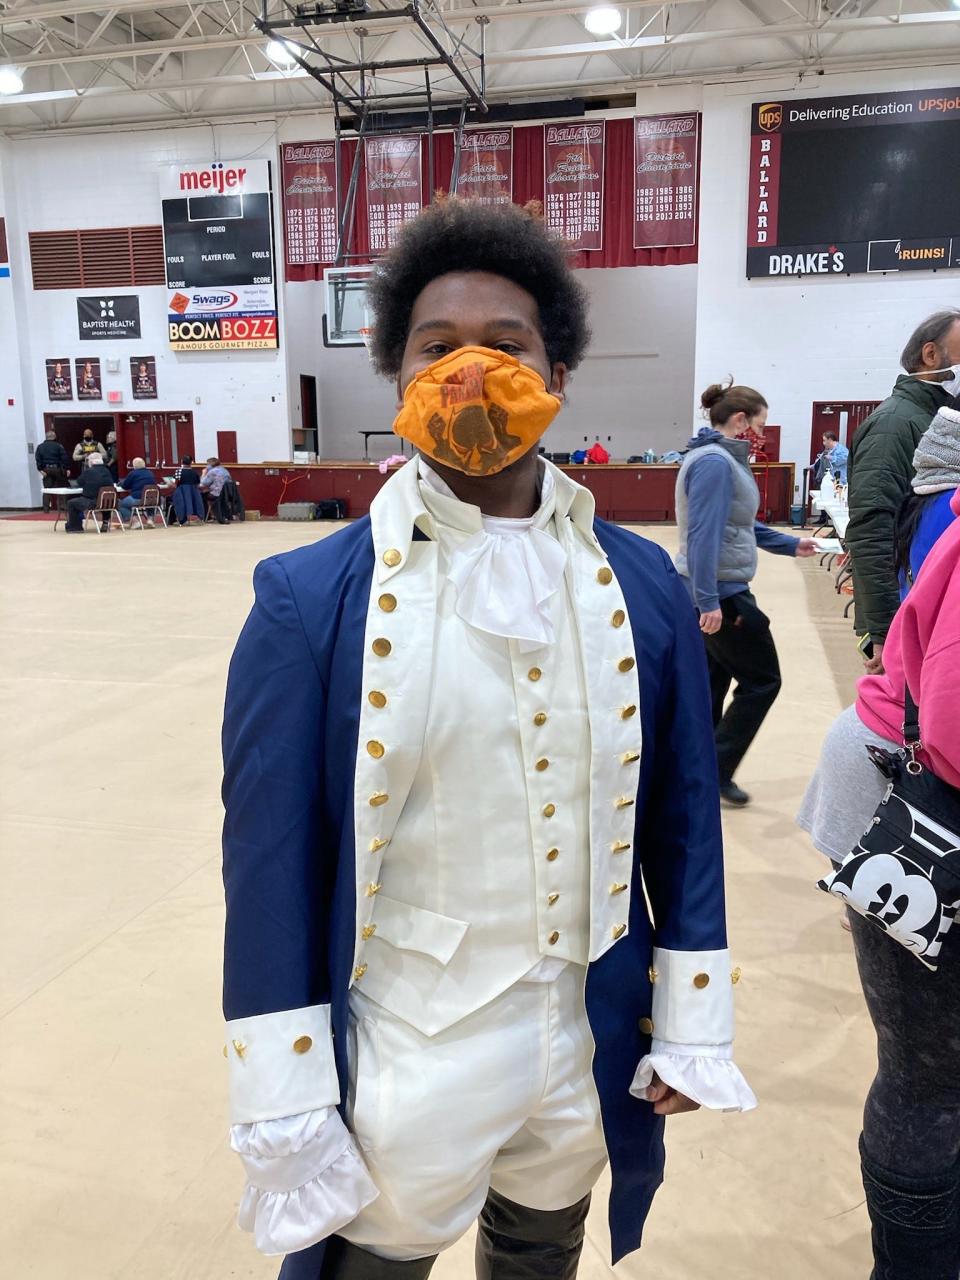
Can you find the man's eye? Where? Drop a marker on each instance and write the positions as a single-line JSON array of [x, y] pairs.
[[511, 348], [436, 349]]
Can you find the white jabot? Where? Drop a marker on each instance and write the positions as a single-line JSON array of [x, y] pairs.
[[507, 573]]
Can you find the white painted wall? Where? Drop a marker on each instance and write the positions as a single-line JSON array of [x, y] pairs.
[[799, 340]]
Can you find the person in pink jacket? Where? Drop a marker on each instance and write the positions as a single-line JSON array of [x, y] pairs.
[[910, 1146]]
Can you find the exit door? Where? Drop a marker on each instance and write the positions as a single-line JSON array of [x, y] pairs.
[[161, 439]]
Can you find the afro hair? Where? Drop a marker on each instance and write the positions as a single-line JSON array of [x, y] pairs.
[[463, 235]]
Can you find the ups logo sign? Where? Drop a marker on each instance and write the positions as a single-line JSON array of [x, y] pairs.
[[770, 116]]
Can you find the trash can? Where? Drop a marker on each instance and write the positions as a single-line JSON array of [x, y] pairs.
[[796, 515]]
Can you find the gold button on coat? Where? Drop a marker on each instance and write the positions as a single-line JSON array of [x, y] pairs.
[[646, 1026], [626, 664], [541, 765], [534, 674], [378, 844], [224, 1050], [627, 712], [359, 971], [549, 810], [372, 889], [624, 802], [387, 603], [378, 798], [540, 718], [736, 975], [392, 557], [552, 898], [376, 749], [303, 1044], [620, 846], [553, 855], [239, 1048], [701, 980], [619, 618], [653, 973], [630, 757], [382, 647], [617, 888], [605, 576], [618, 931], [554, 937], [368, 931], [376, 698]]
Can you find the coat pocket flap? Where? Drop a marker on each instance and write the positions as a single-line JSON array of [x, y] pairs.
[[414, 929]]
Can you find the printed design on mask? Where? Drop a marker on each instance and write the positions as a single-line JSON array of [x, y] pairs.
[[474, 438]]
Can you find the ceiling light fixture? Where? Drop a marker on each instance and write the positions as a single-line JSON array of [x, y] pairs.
[[281, 52], [11, 81], [604, 20]]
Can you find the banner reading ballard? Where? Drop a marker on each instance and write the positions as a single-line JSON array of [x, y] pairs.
[[573, 181], [665, 181]]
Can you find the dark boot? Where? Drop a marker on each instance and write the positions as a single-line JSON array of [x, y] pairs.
[[345, 1261], [916, 1223], [516, 1243]]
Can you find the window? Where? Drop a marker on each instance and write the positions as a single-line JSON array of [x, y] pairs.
[[98, 258]]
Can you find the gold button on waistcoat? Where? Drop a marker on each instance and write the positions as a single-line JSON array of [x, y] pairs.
[[653, 973], [646, 1026], [377, 845], [619, 618], [540, 718], [630, 757], [736, 975], [534, 674], [372, 889], [387, 602], [701, 980], [620, 846], [368, 931], [392, 557], [605, 576], [624, 802], [618, 931], [554, 938], [627, 712], [549, 810], [541, 765], [626, 664], [382, 647], [616, 887], [553, 855], [376, 698], [224, 1050], [378, 798], [239, 1048], [552, 898], [376, 749], [303, 1044], [359, 971]]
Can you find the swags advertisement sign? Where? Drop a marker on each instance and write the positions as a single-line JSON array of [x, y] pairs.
[[864, 183], [218, 246], [108, 316]]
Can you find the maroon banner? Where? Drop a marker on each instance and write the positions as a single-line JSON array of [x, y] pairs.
[[309, 202], [486, 166], [665, 181], [394, 186], [573, 182]]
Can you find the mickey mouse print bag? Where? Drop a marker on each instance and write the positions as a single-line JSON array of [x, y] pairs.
[[904, 873]]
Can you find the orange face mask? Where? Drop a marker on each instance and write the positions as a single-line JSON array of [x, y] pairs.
[[477, 410]]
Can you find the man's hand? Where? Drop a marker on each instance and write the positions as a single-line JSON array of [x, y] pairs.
[[710, 623], [874, 665], [807, 547], [666, 1101]]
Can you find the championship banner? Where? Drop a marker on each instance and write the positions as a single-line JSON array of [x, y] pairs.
[[218, 246], [486, 166], [394, 186], [573, 182], [310, 224], [665, 181]]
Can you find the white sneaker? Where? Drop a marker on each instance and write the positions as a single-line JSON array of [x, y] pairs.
[[150, 522]]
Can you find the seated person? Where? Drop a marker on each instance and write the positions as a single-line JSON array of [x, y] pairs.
[[138, 479], [93, 478], [215, 476], [187, 502]]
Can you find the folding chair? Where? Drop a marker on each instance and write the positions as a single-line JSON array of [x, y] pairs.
[[106, 506], [149, 501]]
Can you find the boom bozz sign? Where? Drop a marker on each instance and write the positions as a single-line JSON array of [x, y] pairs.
[[829, 193], [218, 245]]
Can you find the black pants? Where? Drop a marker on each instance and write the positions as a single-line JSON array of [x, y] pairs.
[[75, 510], [513, 1243], [910, 1147], [742, 651]]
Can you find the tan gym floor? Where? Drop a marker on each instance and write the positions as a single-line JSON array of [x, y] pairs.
[[113, 1153]]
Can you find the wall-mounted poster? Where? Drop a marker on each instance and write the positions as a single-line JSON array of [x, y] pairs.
[[394, 186], [866, 183], [89, 385], [573, 182], [59, 381], [310, 202], [218, 246], [486, 166], [104, 316], [143, 376], [665, 180]]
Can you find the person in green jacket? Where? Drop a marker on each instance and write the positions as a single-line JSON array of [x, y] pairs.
[[880, 469]]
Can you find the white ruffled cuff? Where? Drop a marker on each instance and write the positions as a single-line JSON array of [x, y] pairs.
[[305, 1179], [705, 1073]]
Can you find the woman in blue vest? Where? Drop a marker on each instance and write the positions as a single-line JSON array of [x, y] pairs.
[[717, 502]]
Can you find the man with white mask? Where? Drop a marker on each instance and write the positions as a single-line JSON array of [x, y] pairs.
[[465, 740], [880, 468]]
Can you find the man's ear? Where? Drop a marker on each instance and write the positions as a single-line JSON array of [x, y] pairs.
[[558, 381]]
